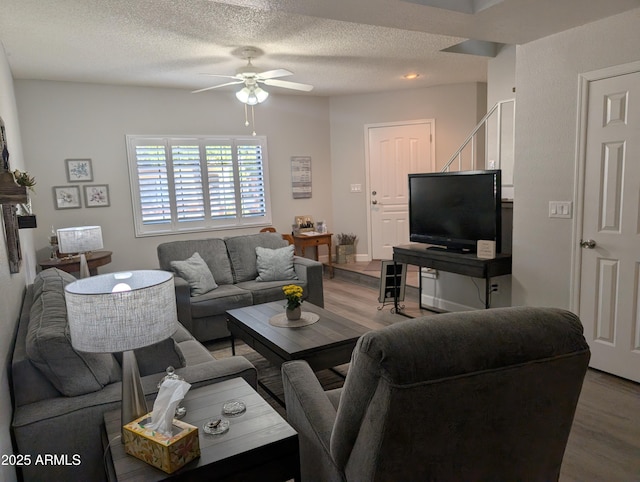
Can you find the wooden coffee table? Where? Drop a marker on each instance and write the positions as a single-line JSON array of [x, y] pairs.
[[260, 445], [325, 344]]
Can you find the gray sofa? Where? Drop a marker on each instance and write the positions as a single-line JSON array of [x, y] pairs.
[[233, 262], [60, 395]]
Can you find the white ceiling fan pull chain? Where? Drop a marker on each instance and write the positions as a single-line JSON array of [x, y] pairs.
[[246, 116], [253, 120]]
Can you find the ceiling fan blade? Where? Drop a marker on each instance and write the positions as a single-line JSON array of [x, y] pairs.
[[217, 86], [285, 84], [223, 76], [272, 74]]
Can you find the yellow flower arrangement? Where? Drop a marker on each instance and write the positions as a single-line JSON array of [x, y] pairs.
[[293, 293]]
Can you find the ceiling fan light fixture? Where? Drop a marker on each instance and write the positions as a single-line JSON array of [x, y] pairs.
[[252, 95], [243, 95], [261, 94]]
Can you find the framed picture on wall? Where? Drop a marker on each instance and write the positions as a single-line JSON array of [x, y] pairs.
[[66, 197], [96, 196], [79, 170]]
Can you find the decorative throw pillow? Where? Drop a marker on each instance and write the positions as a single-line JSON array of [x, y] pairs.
[[275, 264], [196, 272]]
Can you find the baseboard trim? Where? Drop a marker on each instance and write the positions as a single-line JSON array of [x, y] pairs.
[[444, 305]]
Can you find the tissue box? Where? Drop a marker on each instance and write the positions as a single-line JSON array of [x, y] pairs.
[[161, 451]]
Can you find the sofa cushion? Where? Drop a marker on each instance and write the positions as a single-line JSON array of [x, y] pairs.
[[213, 251], [217, 302], [242, 253], [275, 264], [196, 272], [49, 346], [266, 291]]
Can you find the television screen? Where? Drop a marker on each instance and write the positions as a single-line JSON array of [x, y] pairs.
[[455, 209]]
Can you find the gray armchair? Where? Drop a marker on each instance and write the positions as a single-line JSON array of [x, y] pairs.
[[482, 395]]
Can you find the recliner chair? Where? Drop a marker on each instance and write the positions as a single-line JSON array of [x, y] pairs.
[[481, 395]]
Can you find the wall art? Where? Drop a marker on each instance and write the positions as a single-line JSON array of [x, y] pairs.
[[301, 177], [96, 196], [79, 170], [66, 197]]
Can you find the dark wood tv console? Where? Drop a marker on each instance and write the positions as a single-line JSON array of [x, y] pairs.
[[467, 264]]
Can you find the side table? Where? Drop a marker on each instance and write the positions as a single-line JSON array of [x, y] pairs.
[[71, 264], [260, 445], [302, 241]]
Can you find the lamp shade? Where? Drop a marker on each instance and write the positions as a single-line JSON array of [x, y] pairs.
[[117, 312], [80, 239]]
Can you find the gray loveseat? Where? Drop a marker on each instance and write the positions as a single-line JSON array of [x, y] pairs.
[[234, 265], [60, 395]]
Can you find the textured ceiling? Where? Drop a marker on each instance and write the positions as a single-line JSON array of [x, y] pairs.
[[339, 46]]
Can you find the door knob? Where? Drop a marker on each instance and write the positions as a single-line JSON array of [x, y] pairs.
[[589, 244], [374, 202], [373, 193]]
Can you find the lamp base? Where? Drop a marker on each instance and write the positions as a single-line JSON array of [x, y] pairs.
[[134, 404], [84, 267]]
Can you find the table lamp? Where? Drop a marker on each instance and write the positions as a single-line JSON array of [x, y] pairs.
[[81, 239], [119, 312]]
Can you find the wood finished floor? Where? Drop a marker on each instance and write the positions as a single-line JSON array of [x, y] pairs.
[[604, 444]]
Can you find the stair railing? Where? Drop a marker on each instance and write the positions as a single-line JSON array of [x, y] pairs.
[[471, 138]]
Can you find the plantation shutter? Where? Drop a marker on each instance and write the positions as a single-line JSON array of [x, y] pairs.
[[222, 190], [187, 179], [251, 174], [155, 201], [184, 184]]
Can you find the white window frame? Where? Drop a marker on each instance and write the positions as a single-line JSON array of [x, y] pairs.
[[175, 226]]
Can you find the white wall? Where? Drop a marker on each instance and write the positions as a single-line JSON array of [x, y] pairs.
[[456, 109], [11, 285], [63, 120], [546, 118]]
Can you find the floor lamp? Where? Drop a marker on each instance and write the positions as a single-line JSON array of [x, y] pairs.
[[81, 239], [119, 312]]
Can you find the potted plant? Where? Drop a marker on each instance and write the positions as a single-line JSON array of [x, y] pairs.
[[293, 294], [26, 218], [346, 248]]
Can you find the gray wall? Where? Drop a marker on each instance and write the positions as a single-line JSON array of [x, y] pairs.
[[63, 120], [545, 148], [456, 109]]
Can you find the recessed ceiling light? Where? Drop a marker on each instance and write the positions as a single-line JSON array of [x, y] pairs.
[[411, 76]]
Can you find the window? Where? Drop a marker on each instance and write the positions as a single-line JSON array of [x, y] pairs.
[[182, 184]]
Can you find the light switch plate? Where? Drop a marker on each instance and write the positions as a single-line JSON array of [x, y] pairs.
[[560, 209]]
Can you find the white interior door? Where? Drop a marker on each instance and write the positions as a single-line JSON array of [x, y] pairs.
[[394, 152], [609, 289]]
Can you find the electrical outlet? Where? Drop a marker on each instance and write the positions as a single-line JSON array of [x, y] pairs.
[[495, 288]]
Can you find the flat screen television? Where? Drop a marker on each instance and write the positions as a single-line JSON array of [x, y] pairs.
[[453, 210]]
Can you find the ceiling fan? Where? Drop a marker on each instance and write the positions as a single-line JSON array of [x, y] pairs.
[[252, 93]]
